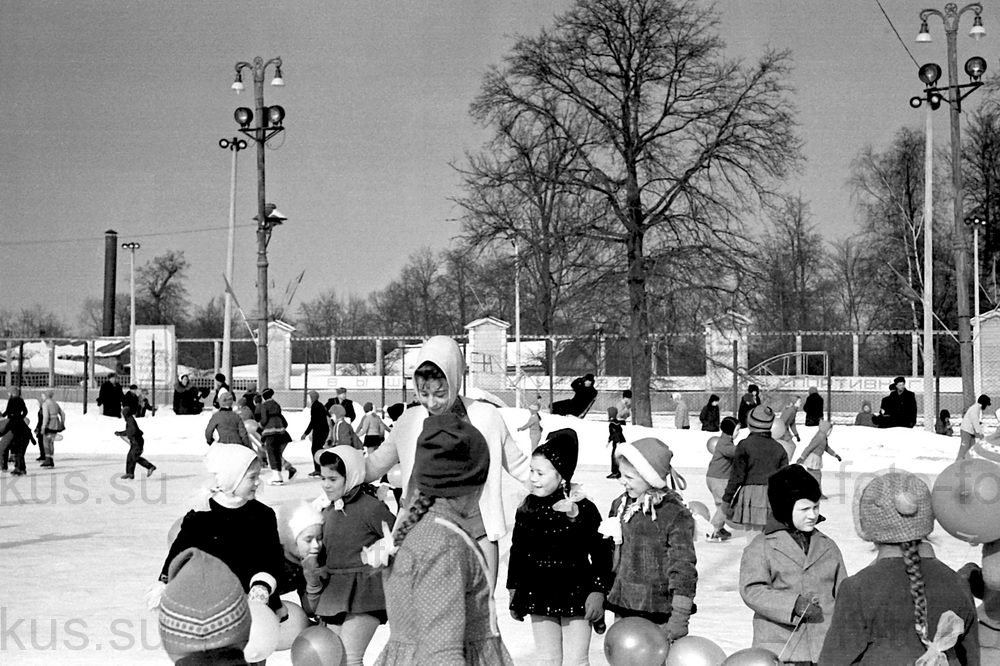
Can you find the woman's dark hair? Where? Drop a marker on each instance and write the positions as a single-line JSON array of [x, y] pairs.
[[428, 371], [331, 459], [945, 415]]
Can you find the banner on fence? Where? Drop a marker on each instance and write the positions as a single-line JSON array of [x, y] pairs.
[[164, 359]]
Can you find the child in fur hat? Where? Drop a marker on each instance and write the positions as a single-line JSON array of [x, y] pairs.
[[757, 457], [229, 523], [789, 574], [906, 607], [203, 614], [560, 565], [812, 457], [656, 574], [352, 601]]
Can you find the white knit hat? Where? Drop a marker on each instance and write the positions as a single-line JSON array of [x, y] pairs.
[[293, 517]]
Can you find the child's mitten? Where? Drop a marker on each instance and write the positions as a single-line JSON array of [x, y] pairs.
[[612, 529], [807, 609], [677, 625], [312, 571], [154, 594]]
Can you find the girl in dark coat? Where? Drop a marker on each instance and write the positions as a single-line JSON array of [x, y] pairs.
[[757, 458], [560, 566], [709, 415]]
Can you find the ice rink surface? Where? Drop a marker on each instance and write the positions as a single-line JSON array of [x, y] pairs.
[[79, 546]]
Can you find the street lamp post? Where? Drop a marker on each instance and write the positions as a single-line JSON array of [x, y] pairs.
[[977, 222], [269, 121], [235, 145], [132, 247], [974, 67]]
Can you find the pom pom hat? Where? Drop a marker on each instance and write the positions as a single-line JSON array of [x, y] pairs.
[[203, 606], [760, 419], [651, 459], [893, 507], [562, 449]]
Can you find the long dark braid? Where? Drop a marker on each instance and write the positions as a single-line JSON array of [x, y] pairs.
[[421, 504], [911, 558]]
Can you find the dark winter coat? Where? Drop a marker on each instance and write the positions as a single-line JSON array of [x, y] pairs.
[[583, 397], [230, 428], [709, 417], [15, 410], [131, 400], [131, 432], [721, 464], [319, 422], [813, 409], [899, 410], [747, 403], [186, 399], [109, 398], [757, 458]]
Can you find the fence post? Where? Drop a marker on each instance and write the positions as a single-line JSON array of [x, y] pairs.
[[333, 357], [551, 355], [402, 369], [914, 353], [602, 351], [829, 389], [380, 368], [217, 359], [93, 360], [52, 364], [736, 377], [86, 376], [20, 364], [654, 365], [798, 353], [856, 348]]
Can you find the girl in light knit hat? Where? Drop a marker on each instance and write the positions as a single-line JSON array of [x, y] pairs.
[[906, 607]]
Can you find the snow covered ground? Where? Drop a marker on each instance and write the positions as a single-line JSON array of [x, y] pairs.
[[78, 546]]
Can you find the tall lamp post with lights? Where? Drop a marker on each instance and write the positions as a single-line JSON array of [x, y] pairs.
[[953, 94], [131, 247], [269, 124], [235, 145]]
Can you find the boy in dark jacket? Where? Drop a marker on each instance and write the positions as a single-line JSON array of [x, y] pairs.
[[135, 441], [616, 436], [717, 475]]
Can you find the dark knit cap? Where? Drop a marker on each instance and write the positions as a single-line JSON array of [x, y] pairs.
[[760, 419], [395, 410], [267, 393], [219, 377], [562, 449], [203, 606], [786, 487], [452, 457]]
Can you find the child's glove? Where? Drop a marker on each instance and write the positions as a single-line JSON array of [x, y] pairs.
[[378, 554], [258, 593], [839, 459], [154, 594], [612, 529], [677, 625], [312, 571], [807, 609]]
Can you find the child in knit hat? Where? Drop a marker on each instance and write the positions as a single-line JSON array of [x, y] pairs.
[[438, 588], [789, 574], [352, 601], [812, 456], [300, 528], [907, 606], [229, 523], [656, 576], [758, 456], [203, 614], [560, 565]]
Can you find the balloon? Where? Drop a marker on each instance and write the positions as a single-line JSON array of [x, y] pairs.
[[635, 641], [695, 651], [395, 476], [710, 444], [317, 646], [293, 625], [174, 529], [965, 498], [754, 656], [263, 633], [699, 509]]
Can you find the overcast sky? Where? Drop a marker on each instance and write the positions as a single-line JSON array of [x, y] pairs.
[[112, 112]]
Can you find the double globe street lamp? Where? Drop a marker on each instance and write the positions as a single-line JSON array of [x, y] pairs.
[[269, 124]]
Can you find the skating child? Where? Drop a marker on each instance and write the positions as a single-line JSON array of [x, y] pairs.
[[203, 615], [560, 565], [438, 589], [789, 575], [341, 432], [437, 380], [757, 458], [300, 528], [371, 429], [229, 523], [943, 424], [901, 608], [352, 602], [717, 475], [227, 424], [812, 456], [656, 576], [533, 426], [135, 442], [616, 436]]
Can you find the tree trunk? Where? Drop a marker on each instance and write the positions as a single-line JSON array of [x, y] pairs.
[[638, 335]]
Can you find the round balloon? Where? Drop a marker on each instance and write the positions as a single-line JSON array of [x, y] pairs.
[[753, 656], [695, 651], [293, 625], [711, 443], [395, 476], [964, 500], [263, 633], [635, 641], [699, 509], [317, 646]]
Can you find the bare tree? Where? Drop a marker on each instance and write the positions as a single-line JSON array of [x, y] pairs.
[[681, 142], [91, 318], [161, 297]]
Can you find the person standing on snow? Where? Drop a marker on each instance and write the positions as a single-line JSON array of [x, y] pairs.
[[813, 407]]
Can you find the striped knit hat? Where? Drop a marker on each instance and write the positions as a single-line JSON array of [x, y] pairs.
[[203, 606], [760, 419]]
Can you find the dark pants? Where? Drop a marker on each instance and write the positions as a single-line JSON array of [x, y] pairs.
[[274, 445], [135, 457], [614, 459], [318, 440], [6, 441]]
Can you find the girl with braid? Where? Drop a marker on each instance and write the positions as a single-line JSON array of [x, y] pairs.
[[906, 607], [438, 590]]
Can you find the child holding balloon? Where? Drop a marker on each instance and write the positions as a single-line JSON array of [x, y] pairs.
[[789, 575], [656, 575], [352, 601], [560, 565]]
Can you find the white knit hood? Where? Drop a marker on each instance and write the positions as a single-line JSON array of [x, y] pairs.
[[445, 353]]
